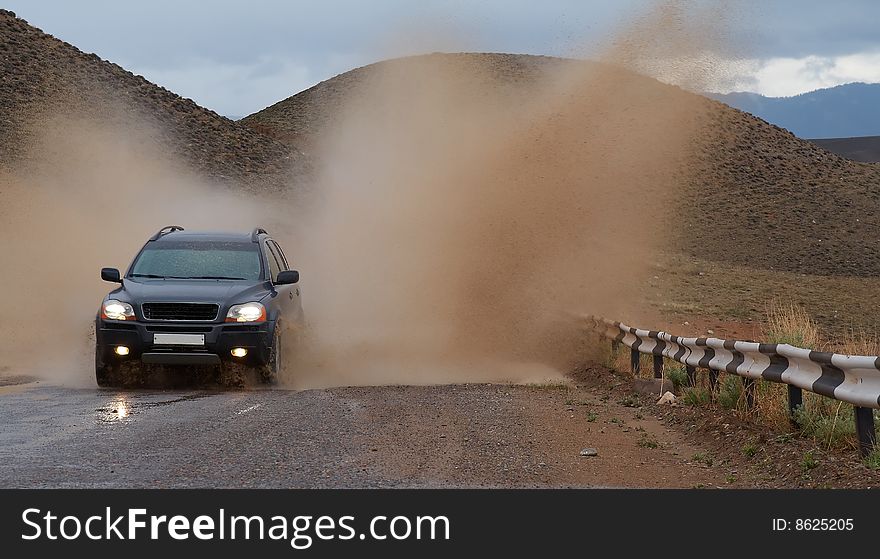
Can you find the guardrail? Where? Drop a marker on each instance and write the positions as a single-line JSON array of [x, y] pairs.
[[854, 379]]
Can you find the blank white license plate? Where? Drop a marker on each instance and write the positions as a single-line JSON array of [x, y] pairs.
[[178, 339]]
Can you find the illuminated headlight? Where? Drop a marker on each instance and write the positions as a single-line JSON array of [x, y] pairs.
[[246, 312], [117, 310]]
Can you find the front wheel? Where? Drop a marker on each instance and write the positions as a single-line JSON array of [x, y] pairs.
[[271, 371], [105, 373]]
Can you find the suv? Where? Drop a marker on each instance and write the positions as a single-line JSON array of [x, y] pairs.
[[198, 298]]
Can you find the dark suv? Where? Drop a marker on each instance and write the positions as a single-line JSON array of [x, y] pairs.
[[198, 298]]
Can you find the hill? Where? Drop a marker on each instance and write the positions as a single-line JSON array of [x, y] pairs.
[[41, 76], [304, 116], [844, 111], [865, 149], [753, 194]]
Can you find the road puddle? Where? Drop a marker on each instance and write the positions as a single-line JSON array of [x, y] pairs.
[[122, 407]]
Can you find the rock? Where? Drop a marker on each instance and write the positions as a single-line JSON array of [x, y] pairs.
[[589, 452], [653, 387], [667, 398]]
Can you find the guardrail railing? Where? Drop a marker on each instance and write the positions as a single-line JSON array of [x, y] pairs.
[[854, 379]]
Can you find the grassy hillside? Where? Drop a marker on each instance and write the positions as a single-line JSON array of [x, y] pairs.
[[42, 77]]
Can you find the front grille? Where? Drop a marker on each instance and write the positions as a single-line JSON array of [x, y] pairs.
[[181, 329], [200, 312], [178, 349]]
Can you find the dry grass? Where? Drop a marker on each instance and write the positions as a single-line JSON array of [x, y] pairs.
[[825, 420], [828, 422], [724, 291], [788, 323], [619, 360], [858, 342]]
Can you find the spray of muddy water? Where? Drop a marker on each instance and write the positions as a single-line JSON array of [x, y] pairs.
[[471, 204], [464, 213], [89, 197]]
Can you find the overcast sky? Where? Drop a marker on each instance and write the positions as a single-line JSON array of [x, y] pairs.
[[237, 57]]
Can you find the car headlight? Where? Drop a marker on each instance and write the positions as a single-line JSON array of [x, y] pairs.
[[246, 312], [117, 310]]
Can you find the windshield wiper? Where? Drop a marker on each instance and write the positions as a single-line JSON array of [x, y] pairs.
[[157, 276], [153, 276]]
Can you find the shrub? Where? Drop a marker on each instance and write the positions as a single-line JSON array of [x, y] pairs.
[[827, 421], [873, 459], [677, 376], [697, 396], [808, 462], [730, 392]]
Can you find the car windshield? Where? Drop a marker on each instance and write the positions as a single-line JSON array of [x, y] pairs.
[[198, 260]]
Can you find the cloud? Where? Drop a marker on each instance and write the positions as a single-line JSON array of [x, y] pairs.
[[200, 49], [783, 77], [239, 89]]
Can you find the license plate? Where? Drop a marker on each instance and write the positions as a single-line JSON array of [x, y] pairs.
[[178, 339]]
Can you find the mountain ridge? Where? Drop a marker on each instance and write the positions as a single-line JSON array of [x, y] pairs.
[[842, 111]]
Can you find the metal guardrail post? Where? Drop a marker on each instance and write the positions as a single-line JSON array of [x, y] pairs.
[[658, 366], [713, 380], [749, 389], [692, 374], [634, 361], [865, 429], [615, 346], [795, 400]]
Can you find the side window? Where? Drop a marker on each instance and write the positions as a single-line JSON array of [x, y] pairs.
[[274, 267], [282, 260]]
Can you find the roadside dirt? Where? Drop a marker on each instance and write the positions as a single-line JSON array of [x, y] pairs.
[[532, 436], [503, 436], [742, 452]]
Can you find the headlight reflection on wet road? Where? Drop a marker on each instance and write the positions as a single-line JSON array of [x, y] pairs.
[[117, 409]]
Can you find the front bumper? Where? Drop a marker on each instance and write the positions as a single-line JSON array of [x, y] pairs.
[[220, 339]]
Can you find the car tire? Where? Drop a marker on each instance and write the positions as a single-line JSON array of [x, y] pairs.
[[105, 373], [271, 371]]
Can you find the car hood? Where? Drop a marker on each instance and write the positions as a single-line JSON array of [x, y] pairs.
[[223, 292]]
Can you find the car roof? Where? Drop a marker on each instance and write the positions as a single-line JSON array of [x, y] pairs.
[[196, 236]]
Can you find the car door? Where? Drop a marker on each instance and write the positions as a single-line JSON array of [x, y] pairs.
[[290, 302]]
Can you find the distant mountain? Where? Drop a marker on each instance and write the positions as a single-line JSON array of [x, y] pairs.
[[844, 111]]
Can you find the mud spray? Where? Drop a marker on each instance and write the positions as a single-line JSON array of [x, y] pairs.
[[463, 217]]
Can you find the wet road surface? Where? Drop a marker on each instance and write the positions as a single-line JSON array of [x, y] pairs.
[[413, 436]]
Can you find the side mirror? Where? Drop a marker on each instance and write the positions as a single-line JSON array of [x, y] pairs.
[[111, 274], [287, 277]]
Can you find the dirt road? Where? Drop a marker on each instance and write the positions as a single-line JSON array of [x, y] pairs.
[[432, 436]]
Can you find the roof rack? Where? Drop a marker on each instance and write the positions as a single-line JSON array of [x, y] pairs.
[[165, 230], [255, 236]]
